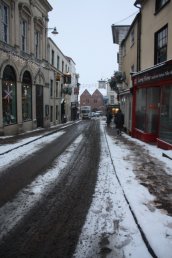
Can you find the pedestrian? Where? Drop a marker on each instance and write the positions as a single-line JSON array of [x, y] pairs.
[[108, 117], [119, 121]]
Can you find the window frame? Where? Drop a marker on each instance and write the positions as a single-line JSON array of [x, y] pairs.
[[159, 4], [160, 39], [23, 34], [5, 23], [52, 57], [26, 97], [37, 44]]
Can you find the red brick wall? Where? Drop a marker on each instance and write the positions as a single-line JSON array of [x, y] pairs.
[[95, 100]]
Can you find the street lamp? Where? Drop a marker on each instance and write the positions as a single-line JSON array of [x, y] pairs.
[[55, 32]]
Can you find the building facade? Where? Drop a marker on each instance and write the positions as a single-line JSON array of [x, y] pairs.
[[94, 100], [124, 36], [146, 62], [33, 70], [152, 98], [24, 84]]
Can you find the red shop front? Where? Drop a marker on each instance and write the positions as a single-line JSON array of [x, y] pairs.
[[152, 105]]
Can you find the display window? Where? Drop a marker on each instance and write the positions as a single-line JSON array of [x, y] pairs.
[[9, 102], [165, 132], [26, 97], [141, 109]]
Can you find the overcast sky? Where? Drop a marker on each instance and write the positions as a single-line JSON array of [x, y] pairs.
[[85, 34]]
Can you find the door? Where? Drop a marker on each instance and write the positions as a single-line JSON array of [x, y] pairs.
[[39, 105]]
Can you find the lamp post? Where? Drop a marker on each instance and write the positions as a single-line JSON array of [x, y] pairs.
[[54, 32]]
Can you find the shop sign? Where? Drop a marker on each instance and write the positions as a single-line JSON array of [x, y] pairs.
[[74, 104], [163, 72]]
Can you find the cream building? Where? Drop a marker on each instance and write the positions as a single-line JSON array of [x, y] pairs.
[[24, 84], [125, 37], [33, 70], [146, 61]]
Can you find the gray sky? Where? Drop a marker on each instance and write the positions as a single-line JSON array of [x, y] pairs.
[[85, 34]]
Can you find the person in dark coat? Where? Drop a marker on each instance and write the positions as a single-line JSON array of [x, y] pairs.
[[108, 117], [119, 121]]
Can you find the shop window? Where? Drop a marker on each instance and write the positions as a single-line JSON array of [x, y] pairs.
[[160, 3], [161, 38], [152, 111], [141, 109], [166, 115], [26, 96], [5, 23], [9, 103]]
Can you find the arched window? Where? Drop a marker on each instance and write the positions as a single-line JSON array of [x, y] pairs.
[[26, 96], [9, 103]]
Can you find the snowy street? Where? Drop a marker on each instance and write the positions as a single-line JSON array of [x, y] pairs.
[[131, 207]]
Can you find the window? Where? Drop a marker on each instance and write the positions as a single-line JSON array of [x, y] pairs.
[[132, 68], [56, 89], [23, 35], [37, 44], [56, 112], [132, 38], [51, 113], [166, 114], [9, 102], [161, 45], [118, 57], [124, 50], [5, 23], [112, 99], [160, 4], [26, 97], [62, 66], [52, 57], [58, 62], [51, 88], [141, 109]]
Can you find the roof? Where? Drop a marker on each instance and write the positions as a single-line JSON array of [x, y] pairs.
[[117, 31]]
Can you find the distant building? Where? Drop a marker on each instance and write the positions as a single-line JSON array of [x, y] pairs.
[[95, 100]]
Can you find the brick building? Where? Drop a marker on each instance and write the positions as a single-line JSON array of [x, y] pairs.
[[95, 100]]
